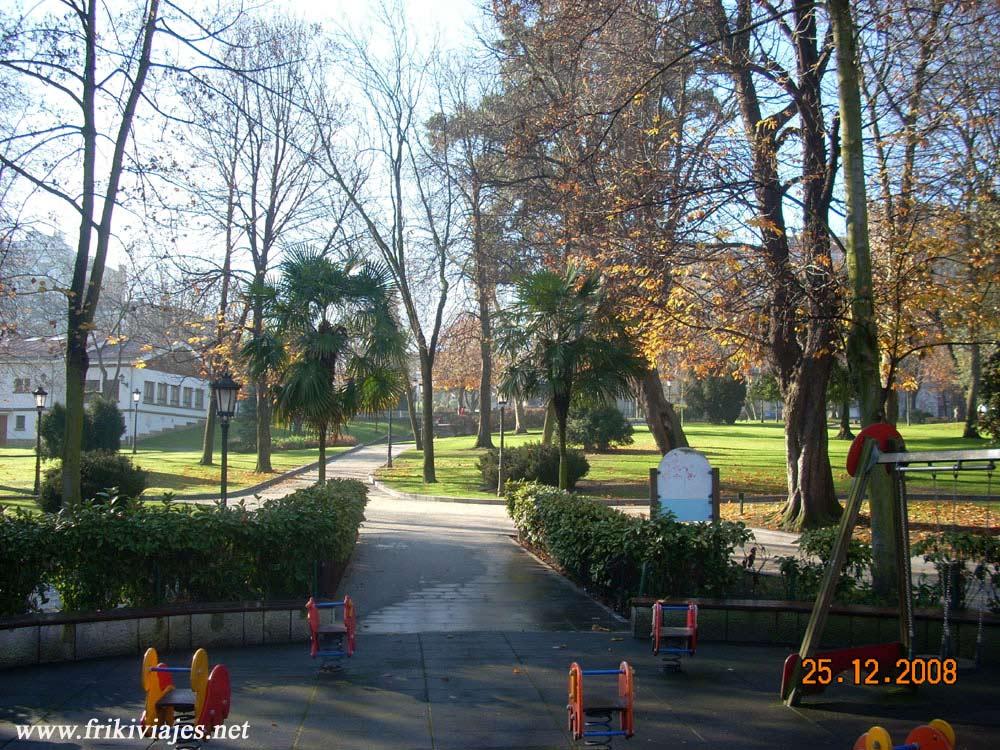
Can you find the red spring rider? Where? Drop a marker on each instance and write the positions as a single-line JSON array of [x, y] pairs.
[[334, 640], [590, 718]]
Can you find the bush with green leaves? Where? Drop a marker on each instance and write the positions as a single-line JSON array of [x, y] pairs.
[[718, 399], [103, 427], [606, 550], [976, 557], [532, 462], [244, 426], [597, 428], [127, 553], [25, 548], [107, 425], [801, 574], [101, 475]]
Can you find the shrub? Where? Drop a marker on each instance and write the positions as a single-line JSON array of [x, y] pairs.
[[126, 553], [801, 575], [53, 429], [607, 550], [101, 474], [300, 442], [244, 427], [24, 557], [103, 427], [107, 425], [532, 462], [598, 428], [976, 557], [718, 399]]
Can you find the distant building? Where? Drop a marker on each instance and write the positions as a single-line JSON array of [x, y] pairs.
[[172, 392]]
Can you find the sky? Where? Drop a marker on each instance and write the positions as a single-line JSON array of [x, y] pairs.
[[450, 23]]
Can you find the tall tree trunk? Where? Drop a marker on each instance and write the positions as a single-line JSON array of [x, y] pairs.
[[263, 392], [322, 454], [484, 438], [77, 363], [520, 427], [862, 339], [663, 421], [208, 438], [845, 420], [548, 426], [427, 386], [972, 393], [563, 462], [263, 427], [86, 292], [812, 501], [411, 410]]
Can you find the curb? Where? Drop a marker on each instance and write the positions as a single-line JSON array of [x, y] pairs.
[[277, 479], [379, 485], [437, 498]]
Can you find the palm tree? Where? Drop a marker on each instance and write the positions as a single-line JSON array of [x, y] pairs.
[[332, 342], [562, 343]]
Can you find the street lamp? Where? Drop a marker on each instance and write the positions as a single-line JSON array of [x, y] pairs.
[[135, 417], [502, 403], [40, 395], [224, 397]]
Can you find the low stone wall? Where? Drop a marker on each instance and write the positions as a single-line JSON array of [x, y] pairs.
[[784, 622], [41, 639]]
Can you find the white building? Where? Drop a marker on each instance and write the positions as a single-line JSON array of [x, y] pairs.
[[172, 392]]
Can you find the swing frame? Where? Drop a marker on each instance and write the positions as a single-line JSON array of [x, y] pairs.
[[897, 463]]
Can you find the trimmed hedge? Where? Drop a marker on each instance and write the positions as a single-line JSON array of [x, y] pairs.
[[126, 553], [531, 462], [606, 550]]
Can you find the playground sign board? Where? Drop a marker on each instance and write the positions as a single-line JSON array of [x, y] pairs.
[[686, 485]]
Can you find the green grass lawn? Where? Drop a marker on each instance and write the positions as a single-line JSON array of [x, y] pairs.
[[750, 457], [172, 462]]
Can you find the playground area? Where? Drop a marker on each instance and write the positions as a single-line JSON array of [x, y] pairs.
[[465, 641], [498, 690]]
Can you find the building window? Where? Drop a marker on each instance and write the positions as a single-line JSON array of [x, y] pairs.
[[199, 399], [187, 397], [161, 393], [147, 391], [19, 423], [92, 386], [22, 385], [175, 395]]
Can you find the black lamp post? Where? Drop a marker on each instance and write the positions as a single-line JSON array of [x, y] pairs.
[[502, 403], [40, 395], [224, 397], [135, 417]]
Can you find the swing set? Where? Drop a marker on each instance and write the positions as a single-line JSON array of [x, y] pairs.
[[879, 447]]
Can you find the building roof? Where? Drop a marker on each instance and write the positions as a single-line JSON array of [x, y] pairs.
[[178, 359]]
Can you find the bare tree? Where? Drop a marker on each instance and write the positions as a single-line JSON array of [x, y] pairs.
[[410, 220], [267, 147], [79, 66]]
